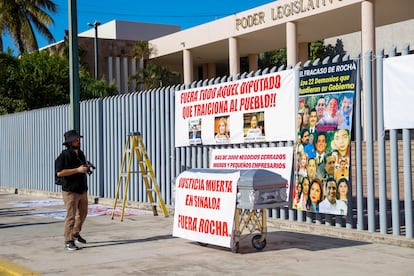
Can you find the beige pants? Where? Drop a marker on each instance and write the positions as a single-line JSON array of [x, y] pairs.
[[76, 212]]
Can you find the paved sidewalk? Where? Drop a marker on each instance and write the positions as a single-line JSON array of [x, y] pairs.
[[31, 237]]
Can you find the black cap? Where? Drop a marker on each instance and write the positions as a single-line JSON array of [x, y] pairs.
[[70, 136]]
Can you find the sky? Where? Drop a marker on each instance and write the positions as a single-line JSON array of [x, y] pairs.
[[184, 13]]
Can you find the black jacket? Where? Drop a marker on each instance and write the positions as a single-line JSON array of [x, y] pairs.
[[68, 159]]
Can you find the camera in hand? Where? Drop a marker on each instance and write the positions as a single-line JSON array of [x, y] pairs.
[[91, 167]]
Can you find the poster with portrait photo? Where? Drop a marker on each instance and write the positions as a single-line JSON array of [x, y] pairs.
[[222, 129], [194, 131], [271, 96], [254, 127], [322, 163]]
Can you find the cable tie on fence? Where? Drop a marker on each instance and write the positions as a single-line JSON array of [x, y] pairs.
[[382, 133]]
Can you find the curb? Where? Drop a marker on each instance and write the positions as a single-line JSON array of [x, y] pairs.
[[11, 269], [342, 233]]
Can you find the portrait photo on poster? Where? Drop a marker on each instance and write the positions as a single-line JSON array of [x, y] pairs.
[[194, 131], [222, 129], [254, 127]]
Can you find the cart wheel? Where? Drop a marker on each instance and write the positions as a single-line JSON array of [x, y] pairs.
[[202, 243], [235, 248], [259, 245]]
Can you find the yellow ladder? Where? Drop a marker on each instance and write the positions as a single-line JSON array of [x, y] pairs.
[[134, 144]]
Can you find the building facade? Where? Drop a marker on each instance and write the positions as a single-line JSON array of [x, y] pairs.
[[214, 49], [290, 24]]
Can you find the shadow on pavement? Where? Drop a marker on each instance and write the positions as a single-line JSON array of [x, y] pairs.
[[15, 212], [11, 225], [121, 242], [281, 240]]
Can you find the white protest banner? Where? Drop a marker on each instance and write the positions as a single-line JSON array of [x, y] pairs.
[[204, 206], [399, 92], [256, 109], [276, 159]]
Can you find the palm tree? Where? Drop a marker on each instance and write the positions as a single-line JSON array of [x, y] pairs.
[[149, 75], [142, 50], [20, 19]]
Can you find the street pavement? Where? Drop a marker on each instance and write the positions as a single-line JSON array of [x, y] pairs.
[[31, 238]]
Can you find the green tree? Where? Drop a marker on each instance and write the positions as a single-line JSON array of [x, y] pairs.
[[142, 50], [91, 88], [41, 79], [62, 49], [150, 75], [9, 77], [157, 76], [20, 19], [317, 49], [338, 49], [274, 58]]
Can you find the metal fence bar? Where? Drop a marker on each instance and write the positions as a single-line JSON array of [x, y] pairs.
[[170, 144], [381, 147], [395, 201], [408, 188], [369, 141], [358, 152], [162, 182]]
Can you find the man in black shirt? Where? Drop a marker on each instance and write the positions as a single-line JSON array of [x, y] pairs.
[[71, 167]]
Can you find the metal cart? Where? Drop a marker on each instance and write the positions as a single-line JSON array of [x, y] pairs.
[[258, 190]]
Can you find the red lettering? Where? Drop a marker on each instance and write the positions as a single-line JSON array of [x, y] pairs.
[[189, 200], [187, 222], [214, 227]]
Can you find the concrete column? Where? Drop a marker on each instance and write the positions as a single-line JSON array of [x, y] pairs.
[[110, 72], [291, 44], [124, 75], [140, 67], [367, 27], [211, 70], [132, 83], [188, 66], [368, 44], [234, 58], [253, 62], [118, 74]]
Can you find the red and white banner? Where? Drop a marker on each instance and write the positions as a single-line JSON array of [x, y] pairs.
[[398, 92], [276, 159], [204, 206], [256, 109]]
